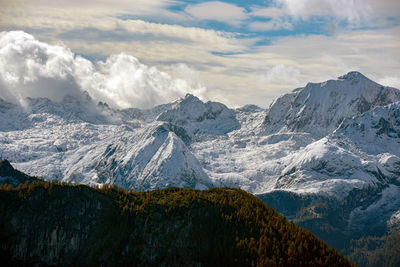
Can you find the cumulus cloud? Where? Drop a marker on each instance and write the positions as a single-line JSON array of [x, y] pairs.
[[30, 68], [184, 72], [123, 81]]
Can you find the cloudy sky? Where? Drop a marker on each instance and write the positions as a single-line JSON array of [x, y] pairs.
[[140, 53]]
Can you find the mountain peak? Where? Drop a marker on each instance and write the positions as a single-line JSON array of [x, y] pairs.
[[85, 94], [319, 108], [197, 116], [189, 98], [352, 75]]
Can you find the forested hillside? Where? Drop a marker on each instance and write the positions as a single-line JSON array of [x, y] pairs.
[[61, 224]]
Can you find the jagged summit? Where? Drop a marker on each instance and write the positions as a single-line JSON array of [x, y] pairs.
[[319, 108], [250, 108], [201, 118], [190, 97], [352, 75]]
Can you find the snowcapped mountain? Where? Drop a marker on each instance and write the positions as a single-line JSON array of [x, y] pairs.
[[79, 142], [153, 158], [357, 167], [336, 142], [319, 108], [201, 118], [363, 151]]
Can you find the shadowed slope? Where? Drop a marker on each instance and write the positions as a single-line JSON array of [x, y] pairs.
[[60, 224]]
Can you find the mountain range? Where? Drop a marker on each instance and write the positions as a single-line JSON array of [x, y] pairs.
[[326, 155]]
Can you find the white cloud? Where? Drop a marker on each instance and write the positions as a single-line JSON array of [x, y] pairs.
[[273, 25], [218, 11], [60, 16], [123, 81], [211, 40], [267, 12], [93, 7], [285, 13], [352, 11], [280, 74], [29, 68], [390, 81], [184, 72], [356, 13]]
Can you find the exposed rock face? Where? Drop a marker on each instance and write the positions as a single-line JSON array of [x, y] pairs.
[[6, 170], [8, 175], [201, 118]]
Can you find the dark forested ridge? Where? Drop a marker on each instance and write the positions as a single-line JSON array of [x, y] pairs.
[[55, 223]]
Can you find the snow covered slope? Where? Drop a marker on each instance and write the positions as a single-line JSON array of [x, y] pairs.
[[338, 140], [319, 108], [363, 151], [291, 146], [80, 142], [201, 118]]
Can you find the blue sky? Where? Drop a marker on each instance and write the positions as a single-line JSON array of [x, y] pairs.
[[237, 52]]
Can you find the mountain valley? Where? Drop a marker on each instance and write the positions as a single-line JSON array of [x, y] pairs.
[[326, 156]]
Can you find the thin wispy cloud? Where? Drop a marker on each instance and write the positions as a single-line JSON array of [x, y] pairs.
[[272, 25], [218, 11]]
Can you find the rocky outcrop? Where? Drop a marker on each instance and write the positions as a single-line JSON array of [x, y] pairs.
[[8, 175], [198, 117]]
